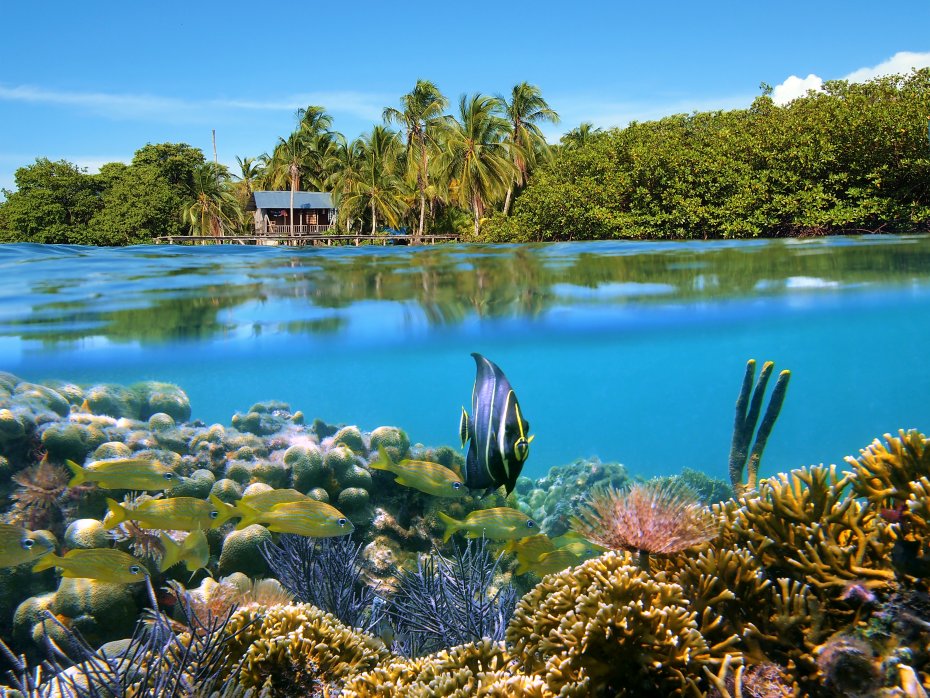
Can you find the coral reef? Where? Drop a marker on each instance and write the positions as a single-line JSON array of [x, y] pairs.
[[451, 600], [553, 500], [299, 650], [326, 573]]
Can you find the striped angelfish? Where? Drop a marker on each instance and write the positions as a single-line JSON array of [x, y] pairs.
[[496, 432]]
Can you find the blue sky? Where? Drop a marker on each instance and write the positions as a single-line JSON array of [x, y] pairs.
[[92, 82]]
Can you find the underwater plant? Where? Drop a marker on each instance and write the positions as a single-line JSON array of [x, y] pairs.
[[154, 662], [652, 518], [326, 573], [450, 601], [747, 417]]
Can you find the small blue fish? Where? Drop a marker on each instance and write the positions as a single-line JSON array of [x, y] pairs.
[[496, 432]]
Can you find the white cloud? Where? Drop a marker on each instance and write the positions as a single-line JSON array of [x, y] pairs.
[[795, 87], [142, 106], [901, 63]]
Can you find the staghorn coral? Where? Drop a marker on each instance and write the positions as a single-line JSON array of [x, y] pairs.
[[482, 668], [298, 650], [608, 628], [883, 473], [657, 517], [806, 525]]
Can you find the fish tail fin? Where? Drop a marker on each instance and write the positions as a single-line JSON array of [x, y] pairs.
[[172, 552], [249, 515], [118, 511], [46, 562], [383, 462], [452, 526], [224, 511], [79, 476]]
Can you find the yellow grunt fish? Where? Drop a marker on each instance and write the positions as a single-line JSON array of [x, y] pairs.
[[193, 551], [17, 545], [556, 561], [305, 518], [500, 523], [123, 474], [265, 500], [431, 478], [173, 514], [103, 564], [529, 549], [575, 537]]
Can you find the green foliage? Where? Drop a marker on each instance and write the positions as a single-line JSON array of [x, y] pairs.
[[53, 203], [854, 157], [138, 204]]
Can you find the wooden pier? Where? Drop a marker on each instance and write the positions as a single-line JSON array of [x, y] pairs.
[[303, 240]]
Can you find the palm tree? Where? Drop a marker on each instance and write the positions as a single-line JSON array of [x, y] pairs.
[[581, 136], [476, 156], [314, 124], [250, 170], [380, 186], [525, 110], [213, 208], [343, 172], [284, 165], [422, 117]]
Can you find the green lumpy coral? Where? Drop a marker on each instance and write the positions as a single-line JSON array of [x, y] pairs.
[[392, 440], [242, 551], [351, 437]]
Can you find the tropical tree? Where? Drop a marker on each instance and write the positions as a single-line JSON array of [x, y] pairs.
[[476, 156], [525, 110], [250, 170], [422, 116], [214, 208], [580, 136], [344, 171], [379, 185], [301, 156]]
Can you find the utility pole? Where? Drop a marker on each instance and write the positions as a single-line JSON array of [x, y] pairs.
[[215, 161]]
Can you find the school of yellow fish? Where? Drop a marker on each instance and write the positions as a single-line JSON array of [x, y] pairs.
[[281, 511]]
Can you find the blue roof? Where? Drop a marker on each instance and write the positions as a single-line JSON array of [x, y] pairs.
[[302, 199]]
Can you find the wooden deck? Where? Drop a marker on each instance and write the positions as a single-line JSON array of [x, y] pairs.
[[302, 240]]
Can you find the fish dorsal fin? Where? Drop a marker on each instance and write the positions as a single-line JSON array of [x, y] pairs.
[[463, 427]]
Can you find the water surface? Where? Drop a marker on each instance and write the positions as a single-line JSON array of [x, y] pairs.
[[628, 351]]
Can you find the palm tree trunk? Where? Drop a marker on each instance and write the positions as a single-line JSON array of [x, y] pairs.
[[374, 218], [507, 200], [422, 216]]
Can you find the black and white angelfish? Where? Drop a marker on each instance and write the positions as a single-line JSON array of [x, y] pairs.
[[496, 431]]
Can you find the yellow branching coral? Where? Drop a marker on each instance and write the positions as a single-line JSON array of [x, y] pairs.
[[883, 473], [656, 517], [298, 649], [608, 627], [806, 525], [480, 669]]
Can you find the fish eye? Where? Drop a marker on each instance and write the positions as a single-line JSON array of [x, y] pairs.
[[214, 514], [169, 476], [530, 523], [456, 485], [134, 569], [27, 543], [341, 522]]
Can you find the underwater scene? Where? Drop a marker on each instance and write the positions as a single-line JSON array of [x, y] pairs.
[[576, 469]]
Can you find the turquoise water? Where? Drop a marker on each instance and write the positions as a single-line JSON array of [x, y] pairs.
[[632, 352]]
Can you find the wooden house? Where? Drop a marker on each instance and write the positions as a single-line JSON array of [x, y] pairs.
[[314, 213]]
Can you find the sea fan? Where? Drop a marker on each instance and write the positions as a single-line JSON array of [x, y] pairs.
[[156, 662], [450, 601], [656, 517], [326, 573]]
